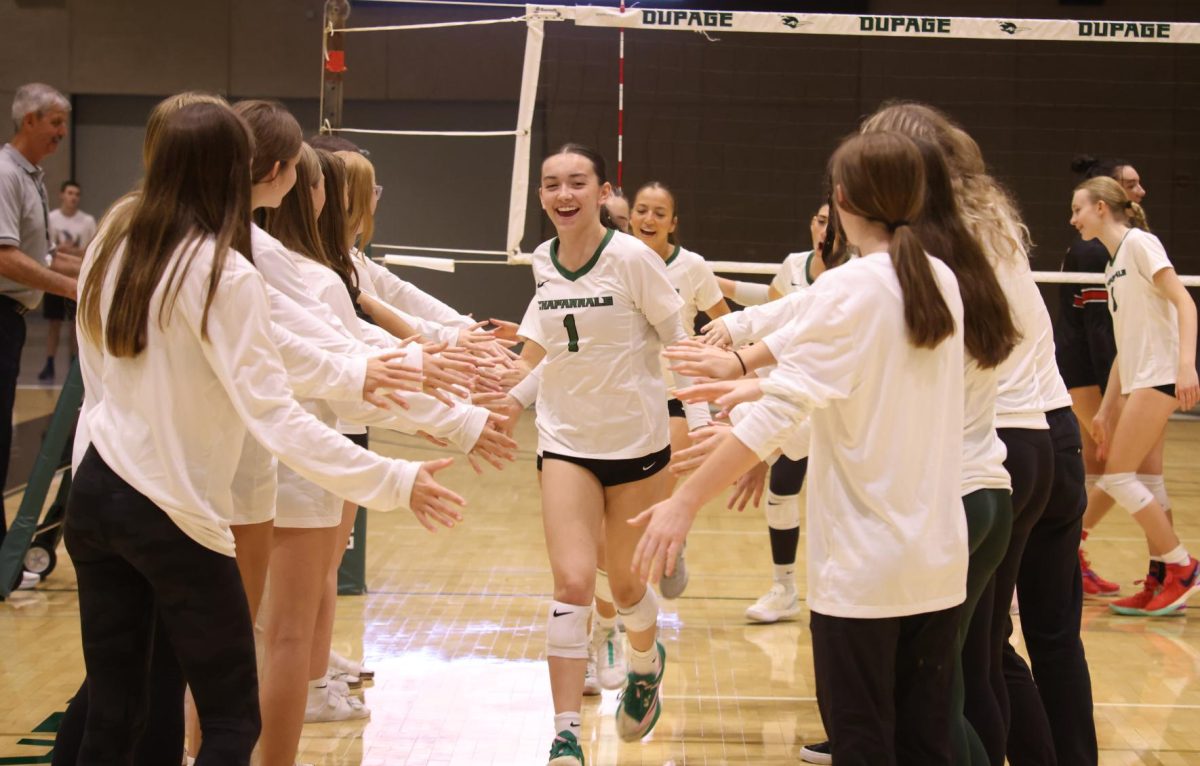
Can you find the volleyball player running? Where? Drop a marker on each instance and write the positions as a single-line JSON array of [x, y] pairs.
[[602, 310], [654, 221], [1154, 320], [874, 362]]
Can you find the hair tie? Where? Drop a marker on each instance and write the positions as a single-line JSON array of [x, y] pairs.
[[891, 227]]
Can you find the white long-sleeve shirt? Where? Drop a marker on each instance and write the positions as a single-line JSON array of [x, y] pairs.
[[406, 297], [887, 533], [172, 420], [757, 322]]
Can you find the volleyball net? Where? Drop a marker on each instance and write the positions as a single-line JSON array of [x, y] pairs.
[[538, 19]]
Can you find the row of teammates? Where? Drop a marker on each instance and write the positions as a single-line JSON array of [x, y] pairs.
[[911, 359], [914, 362]]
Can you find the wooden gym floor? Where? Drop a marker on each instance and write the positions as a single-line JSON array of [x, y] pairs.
[[454, 624]]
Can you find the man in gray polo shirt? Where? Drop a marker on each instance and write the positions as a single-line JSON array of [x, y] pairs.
[[39, 114]]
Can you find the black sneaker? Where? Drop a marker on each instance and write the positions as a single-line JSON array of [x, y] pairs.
[[817, 753], [47, 373]]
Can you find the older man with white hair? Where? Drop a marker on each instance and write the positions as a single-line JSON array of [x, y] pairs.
[[39, 115]]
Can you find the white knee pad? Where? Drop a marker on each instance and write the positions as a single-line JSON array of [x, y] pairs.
[[1089, 481], [643, 615], [603, 588], [783, 511], [1158, 487], [1126, 490], [567, 631]]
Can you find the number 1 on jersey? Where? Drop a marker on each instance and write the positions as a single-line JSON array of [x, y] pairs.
[[572, 333]]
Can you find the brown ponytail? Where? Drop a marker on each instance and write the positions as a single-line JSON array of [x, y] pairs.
[[881, 177]]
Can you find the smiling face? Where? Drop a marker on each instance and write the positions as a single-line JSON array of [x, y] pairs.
[[653, 218], [570, 192], [1087, 215], [44, 132], [1131, 182]]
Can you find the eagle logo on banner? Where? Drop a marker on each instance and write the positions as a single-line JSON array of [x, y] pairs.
[[1009, 28], [791, 22]]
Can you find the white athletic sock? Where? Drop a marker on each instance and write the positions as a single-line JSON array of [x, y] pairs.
[[604, 624], [1159, 559], [644, 663], [572, 722], [1177, 557], [785, 575]]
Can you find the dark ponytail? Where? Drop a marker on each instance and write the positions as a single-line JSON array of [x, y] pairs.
[[882, 178]]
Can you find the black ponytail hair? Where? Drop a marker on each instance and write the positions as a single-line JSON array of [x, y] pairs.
[[1088, 166]]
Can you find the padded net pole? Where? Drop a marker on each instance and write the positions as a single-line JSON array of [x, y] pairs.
[[333, 63], [534, 35]]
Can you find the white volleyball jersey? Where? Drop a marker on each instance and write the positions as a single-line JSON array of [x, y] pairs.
[[1145, 323], [695, 283], [794, 274], [602, 394]]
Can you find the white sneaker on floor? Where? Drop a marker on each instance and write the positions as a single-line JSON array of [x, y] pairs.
[[777, 604], [591, 684], [325, 704], [610, 660], [352, 683], [349, 666], [29, 580]]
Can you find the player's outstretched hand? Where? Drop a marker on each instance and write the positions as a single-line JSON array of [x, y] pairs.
[[385, 374], [445, 374], [704, 442], [749, 486], [494, 446], [700, 360], [725, 394], [715, 333], [431, 502], [667, 524], [504, 330]]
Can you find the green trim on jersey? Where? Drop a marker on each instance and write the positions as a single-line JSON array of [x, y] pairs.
[[808, 267], [585, 268], [1113, 258], [674, 255]]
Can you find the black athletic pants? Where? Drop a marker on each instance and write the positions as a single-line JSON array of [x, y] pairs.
[[1052, 719], [134, 565], [12, 340], [1030, 464], [989, 526], [162, 738], [883, 687]]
